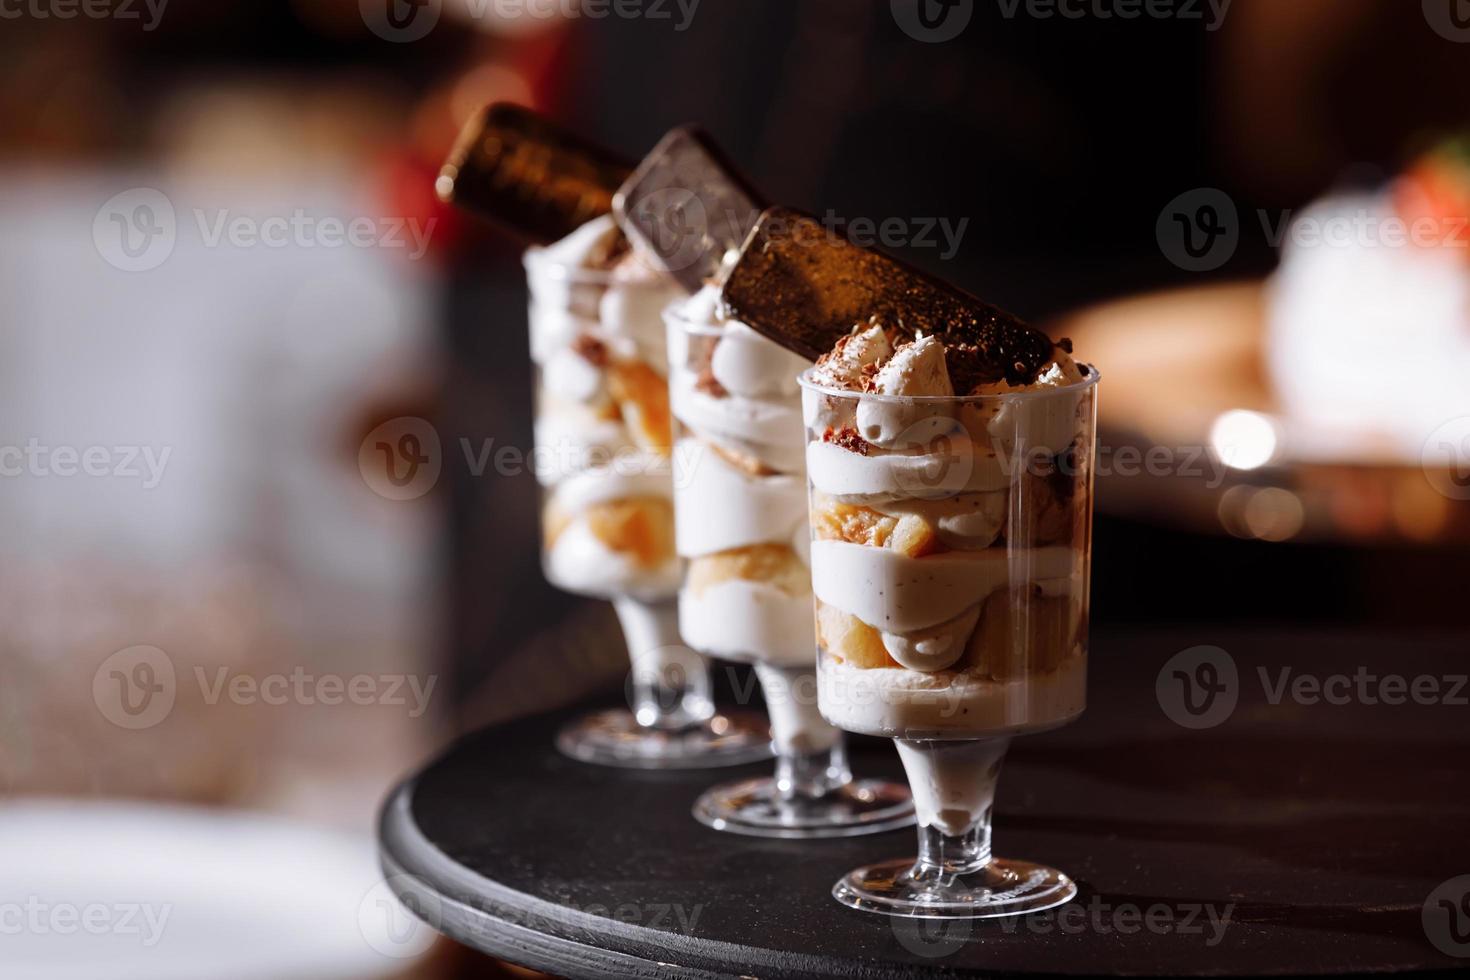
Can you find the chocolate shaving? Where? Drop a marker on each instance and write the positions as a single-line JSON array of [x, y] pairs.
[[609, 251], [591, 350], [847, 437], [702, 363], [531, 176], [687, 206], [805, 288], [709, 384]]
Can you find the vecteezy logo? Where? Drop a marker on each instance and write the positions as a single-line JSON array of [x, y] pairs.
[[931, 938], [1449, 18], [401, 458], [677, 225], [1199, 230], [135, 688], [1446, 458], [400, 21], [939, 457], [933, 21], [1198, 687], [1446, 917], [398, 917], [136, 230], [659, 680]]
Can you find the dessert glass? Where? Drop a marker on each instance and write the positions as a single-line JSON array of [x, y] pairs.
[[602, 458], [950, 564], [741, 525]]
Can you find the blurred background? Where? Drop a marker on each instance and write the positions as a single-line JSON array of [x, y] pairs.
[[225, 282]]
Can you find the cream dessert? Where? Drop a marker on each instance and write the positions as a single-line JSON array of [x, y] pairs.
[[604, 441], [603, 429], [740, 509], [949, 464], [950, 514], [740, 505], [950, 539], [740, 500]]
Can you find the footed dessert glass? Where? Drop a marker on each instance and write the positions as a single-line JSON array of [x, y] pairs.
[[741, 524], [951, 545], [602, 457]]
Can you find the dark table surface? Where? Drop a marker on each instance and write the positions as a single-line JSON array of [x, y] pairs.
[[1283, 837]]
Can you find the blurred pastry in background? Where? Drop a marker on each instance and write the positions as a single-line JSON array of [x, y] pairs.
[[1368, 317]]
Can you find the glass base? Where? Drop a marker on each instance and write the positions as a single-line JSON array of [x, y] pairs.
[[754, 807], [614, 738], [1000, 888]]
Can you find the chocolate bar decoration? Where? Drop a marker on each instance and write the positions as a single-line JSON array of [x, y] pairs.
[[687, 206], [805, 287], [531, 176]]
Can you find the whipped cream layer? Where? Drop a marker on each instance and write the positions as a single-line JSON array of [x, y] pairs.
[[895, 593], [573, 291], [736, 399], [718, 507], [743, 620], [579, 561], [603, 485], [572, 440], [894, 703], [1046, 421], [765, 430], [597, 341], [942, 469]]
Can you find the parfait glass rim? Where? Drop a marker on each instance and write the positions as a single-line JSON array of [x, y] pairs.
[[1026, 394], [673, 316]]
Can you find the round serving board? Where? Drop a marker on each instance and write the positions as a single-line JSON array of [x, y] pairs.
[[1285, 839]]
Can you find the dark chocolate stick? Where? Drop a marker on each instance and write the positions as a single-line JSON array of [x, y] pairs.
[[687, 206], [531, 176], [806, 287]]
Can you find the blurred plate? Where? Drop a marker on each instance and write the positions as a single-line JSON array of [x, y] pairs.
[[1190, 433], [122, 891]]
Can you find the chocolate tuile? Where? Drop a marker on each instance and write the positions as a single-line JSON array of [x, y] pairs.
[[806, 288], [535, 179], [687, 205]]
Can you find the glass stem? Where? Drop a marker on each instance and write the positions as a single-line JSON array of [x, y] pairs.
[[669, 684], [953, 783], [811, 757]]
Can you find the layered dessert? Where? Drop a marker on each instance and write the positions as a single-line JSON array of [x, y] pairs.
[[949, 456], [603, 427], [740, 506], [950, 505]]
